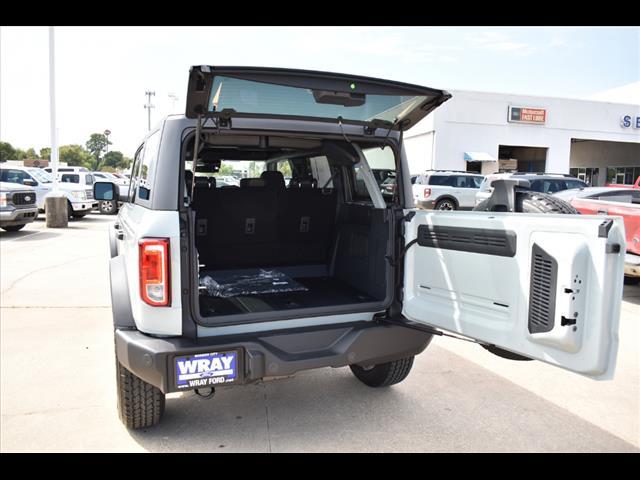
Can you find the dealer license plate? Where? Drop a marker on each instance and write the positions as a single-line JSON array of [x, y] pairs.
[[206, 369]]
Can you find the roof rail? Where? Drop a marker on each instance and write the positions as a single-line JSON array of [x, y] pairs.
[[541, 173], [452, 171]]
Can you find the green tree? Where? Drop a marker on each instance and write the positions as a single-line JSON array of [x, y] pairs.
[[45, 153], [31, 153], [20, 154], [7, 152], [96, 144], [74, 155], [225, 169], [116, 160]]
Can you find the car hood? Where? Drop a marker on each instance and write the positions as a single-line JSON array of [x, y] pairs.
[[15, 187]]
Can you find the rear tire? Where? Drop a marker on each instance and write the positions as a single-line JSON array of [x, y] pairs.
[[384, 374], [140, 404], [13, 228], [631, 280], [446, 204]]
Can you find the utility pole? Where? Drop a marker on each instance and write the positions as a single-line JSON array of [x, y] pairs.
[[174, 99], [148, 106]]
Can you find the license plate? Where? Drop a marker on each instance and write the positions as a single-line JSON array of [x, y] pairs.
[[206, 369]]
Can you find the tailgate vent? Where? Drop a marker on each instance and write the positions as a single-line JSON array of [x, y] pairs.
[[542, 293]]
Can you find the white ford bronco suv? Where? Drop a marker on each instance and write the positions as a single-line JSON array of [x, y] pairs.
[[223, 285]]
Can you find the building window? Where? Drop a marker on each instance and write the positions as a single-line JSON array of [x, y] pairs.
[[623, 175], [586, 174]]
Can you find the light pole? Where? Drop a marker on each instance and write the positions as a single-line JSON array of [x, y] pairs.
[[148, 106], [106, 134], [174, 99]]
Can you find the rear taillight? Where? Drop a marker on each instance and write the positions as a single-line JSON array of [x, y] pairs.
[[154, 271], [427, 192]]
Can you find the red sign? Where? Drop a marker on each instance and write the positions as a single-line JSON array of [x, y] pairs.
[[527, 115]]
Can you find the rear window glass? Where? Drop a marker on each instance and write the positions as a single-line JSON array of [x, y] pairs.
[[439, 180], [246, 96]]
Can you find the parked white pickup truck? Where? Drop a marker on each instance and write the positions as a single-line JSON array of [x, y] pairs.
[[80, 197]]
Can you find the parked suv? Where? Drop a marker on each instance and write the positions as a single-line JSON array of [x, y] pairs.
[[539, 182], [17, 206], [446, 190], [216, 286], [79, 197]]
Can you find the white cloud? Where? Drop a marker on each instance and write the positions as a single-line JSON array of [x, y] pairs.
[[498, 42]]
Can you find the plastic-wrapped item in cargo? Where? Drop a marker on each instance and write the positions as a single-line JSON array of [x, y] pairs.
[[233, 283]]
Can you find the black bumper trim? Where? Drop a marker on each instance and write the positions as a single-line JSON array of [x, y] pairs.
[[272, 354]]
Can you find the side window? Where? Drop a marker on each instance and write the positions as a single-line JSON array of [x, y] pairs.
[[439, 180], [284, 167], [88, 179], [537, 186], [575, 184], [555, 186], [70, 178], [458, 181], [148, 166], [133, 183], [474, 182], [14, 176], [321, 171], [383, 166]]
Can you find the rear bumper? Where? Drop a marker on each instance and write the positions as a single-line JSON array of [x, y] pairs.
[[271, 354], [18, 216], [632, 265]]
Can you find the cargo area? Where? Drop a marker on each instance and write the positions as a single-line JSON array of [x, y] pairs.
[[312, 240]]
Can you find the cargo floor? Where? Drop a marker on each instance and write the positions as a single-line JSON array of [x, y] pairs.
[[322, 292]]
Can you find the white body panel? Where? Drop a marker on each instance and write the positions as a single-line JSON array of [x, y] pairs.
[[136, 223], [486, 297]]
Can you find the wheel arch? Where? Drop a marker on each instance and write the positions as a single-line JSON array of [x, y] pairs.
[[120, 298], [447, 196]]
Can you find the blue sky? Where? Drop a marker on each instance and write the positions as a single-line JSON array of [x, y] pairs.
[[103, 72]]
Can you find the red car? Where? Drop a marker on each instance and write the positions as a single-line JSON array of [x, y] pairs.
[[621, 201]]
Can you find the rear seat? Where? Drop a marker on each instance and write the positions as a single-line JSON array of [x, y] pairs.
[[264, 223], [306, 218]]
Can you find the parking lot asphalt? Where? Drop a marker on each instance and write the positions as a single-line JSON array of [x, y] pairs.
[[57, 381]]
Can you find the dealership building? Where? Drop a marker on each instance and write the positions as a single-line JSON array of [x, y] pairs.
[[598, 141]]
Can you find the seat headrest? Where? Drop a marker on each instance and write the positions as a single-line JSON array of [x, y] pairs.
[[303, 182], [202, 182], [252, 182], [274, 179], [212, 182]]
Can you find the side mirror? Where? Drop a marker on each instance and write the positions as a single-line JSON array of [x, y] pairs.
[[105, 191], [29, 182]]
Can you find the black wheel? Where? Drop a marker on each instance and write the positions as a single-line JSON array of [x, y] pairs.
[[631, 280], [13, 228], [446, 204], [140, 404], [536, 202], [69, 210], [107, 207], [384, 374]]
